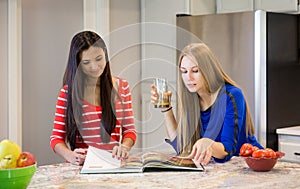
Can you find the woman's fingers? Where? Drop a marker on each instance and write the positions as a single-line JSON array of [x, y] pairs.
[[120, 152], [81, 150], [207, 156], [153, 87], [154, 94], [79, 155], [193, 153], [203, 157], [115, 151], [202, 151], [170, 94]]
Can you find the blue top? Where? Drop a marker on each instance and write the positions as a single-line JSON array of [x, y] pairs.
[[225, 122]]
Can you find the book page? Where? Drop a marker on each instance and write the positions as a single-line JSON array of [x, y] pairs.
[[165, 160], [101, 161], [160, 160], [132, 162], [97, 160]]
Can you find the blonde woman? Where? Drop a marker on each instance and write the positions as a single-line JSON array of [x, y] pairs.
[[213, 115]]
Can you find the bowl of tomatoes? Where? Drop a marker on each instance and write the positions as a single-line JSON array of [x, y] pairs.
[[260, 159]]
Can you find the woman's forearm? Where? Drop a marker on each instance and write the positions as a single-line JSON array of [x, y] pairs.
[[218, 150], [62, 150], [171, 124], [128, 142]]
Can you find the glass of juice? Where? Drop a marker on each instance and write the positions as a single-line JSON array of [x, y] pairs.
[[162, 90]]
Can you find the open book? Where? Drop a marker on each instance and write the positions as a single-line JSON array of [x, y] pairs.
[[101, 161]]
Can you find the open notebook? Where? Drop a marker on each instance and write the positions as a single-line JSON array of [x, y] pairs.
[[101, 161]]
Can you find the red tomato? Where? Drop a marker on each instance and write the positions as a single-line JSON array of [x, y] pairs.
[[255, 148], [246, 149], [270, 153], [279, 154], [259, 153], [266, 153]]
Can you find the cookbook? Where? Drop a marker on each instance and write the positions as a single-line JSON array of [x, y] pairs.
[[100, 161]]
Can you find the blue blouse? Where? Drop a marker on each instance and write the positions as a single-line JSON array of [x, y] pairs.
[[225, 122]]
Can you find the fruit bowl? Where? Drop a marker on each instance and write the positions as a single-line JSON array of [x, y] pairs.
[[17, 178], [262, 164]]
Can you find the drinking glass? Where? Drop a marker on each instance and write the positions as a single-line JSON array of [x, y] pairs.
[[162, 90]]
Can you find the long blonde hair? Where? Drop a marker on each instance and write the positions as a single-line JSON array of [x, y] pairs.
[[189, 125]]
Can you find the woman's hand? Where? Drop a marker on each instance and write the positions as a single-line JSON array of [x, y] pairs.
[[202, 151], [77, 156], [120, 152], [154, 95]]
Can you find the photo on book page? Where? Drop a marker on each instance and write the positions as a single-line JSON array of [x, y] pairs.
[[158, 161]]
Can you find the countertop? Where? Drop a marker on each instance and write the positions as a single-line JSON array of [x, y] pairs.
[[289, 131], [233, 174]]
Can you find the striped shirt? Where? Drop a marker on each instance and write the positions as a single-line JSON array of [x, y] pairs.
[[91, 118]]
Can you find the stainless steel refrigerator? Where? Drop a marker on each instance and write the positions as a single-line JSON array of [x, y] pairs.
[[260, 51]]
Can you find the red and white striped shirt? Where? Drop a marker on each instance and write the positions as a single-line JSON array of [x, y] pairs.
[[91, 118]]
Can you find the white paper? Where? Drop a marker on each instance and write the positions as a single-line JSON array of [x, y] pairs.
[[101, 161]]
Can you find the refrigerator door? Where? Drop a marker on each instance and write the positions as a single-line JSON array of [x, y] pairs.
[[283, 69]]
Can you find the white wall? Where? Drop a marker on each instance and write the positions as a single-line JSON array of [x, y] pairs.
[[125, 50], [48, 27], [3, 70], [158, 60], [11, 69]]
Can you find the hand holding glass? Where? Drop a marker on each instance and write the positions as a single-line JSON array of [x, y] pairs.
[[162, 91]]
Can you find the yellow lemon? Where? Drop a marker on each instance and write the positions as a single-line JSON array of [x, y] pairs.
[[9, 154]]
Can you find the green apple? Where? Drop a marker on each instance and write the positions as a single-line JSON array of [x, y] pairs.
[[9, 154]]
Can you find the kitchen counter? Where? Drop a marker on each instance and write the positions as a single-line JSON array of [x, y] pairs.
[[233, 174], [289, 142], [289, 131]]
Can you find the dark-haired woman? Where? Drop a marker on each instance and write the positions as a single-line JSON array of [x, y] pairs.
[[93, 108]]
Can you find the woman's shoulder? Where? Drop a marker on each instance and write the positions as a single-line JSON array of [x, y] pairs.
[[118, 79], [119, 82], [234, 91], [64, 89]]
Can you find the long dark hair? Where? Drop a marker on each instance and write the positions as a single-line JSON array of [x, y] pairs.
[[81, 42]]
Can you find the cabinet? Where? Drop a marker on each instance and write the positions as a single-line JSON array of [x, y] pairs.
[[277, 5], [201, 7], [289, 143], [227, 6]]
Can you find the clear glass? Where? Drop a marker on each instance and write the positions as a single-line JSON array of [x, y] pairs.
[[162, 90]]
